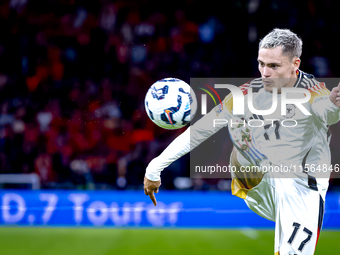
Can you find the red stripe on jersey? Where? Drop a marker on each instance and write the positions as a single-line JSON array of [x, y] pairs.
[[317, 87], [322, 84], [321, 214], [317, 238]]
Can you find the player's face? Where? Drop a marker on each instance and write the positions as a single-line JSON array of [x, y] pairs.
[[277, 70]]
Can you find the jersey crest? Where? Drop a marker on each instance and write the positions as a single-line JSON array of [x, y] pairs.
[[290, 111]]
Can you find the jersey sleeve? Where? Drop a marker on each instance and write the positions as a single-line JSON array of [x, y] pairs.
[[205, 127], [328, 112]]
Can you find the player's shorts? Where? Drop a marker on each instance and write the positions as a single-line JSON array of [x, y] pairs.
[[296, 208], [294, 204]]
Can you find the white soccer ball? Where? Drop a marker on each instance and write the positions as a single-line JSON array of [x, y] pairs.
[[170, 103]]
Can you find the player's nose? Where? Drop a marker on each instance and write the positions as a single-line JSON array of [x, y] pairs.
[[266, 72]]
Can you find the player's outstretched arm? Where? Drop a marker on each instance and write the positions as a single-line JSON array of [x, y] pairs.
[[184, 143], [152, 180]]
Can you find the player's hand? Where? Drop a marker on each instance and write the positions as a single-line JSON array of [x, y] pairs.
[[335, 96], [151, 187]]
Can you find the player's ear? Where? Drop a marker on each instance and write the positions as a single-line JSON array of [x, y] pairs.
[[296, 64]]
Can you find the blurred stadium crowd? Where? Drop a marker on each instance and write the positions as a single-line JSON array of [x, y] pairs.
[[73, 75]]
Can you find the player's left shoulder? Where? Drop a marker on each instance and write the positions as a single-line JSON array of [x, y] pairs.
[[308, 81], [317, 89]]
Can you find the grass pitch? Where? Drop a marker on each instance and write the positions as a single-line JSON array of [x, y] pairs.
[[96, 241]]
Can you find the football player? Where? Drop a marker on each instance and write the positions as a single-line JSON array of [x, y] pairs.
[[294, 200]]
